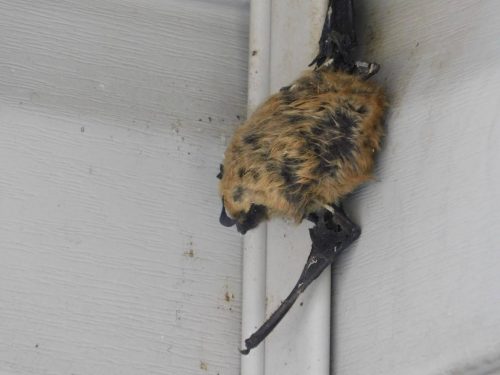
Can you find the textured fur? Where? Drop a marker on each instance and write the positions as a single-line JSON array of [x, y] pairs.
[[308, 145]]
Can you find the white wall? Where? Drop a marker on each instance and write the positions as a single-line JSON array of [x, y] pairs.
[[114, 115], [111, 257], [420, 291]]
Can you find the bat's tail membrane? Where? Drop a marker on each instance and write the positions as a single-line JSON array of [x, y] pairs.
[[338, 36]]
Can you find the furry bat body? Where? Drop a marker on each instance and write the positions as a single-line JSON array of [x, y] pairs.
[[305, 147]]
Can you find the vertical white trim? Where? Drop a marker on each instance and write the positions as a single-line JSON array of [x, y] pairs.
[[254, 242], [301, 342], [254, 296]]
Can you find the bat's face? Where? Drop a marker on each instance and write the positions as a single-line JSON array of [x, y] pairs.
[[245, 217], [238, 207]]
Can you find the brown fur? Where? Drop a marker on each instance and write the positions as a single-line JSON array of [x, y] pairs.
[[308, 145]]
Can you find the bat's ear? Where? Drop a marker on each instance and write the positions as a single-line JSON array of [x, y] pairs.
[[224, 219], [221, 173]]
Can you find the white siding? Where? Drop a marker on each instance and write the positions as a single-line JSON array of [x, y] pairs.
[[420, 291], [113, 118]]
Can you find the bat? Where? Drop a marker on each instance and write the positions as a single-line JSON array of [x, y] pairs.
[[306, 148]]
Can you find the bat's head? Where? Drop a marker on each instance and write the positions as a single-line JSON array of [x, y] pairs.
[[244, 220], [239, 207]]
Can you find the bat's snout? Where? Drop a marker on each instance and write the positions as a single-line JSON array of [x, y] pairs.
[[224, 219]]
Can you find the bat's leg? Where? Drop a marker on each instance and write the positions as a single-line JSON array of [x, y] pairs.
[[332, 233], [338, 36]]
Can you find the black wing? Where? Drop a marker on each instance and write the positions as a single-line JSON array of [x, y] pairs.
[[332, 233]]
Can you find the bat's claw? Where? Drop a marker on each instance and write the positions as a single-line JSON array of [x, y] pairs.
[[366, 69], [244, 351]]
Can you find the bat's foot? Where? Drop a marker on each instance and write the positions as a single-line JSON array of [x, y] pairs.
[[334, 50], [333, 231]]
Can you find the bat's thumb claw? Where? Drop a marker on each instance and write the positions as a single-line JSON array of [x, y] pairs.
[[244, 351]]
